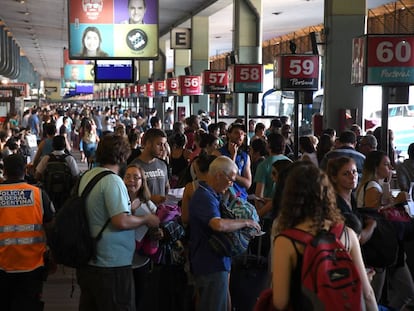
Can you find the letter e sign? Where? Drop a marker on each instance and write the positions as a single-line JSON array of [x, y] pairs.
[[181, 38]]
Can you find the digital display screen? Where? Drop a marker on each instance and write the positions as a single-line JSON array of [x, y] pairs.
[[84, 88], [114, 71], [108, 29]]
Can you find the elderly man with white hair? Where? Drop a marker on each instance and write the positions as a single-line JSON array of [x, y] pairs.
[[211, 271]]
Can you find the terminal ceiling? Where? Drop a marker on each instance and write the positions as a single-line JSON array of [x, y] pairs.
[[40, 26]]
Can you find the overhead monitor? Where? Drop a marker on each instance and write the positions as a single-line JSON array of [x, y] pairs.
[[114, 71]]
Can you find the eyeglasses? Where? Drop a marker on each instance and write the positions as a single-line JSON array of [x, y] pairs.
[[230, 180], [134, 177]]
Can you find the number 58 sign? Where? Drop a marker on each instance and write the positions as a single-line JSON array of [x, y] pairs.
[[386, 59], [247, 78]]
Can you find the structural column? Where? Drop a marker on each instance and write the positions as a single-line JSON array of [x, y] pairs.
[[200, 55], [182, 60], [344, 20], [247, 42]]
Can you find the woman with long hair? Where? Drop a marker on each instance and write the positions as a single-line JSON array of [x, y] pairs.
[[374, 192], [91, 43], [139, 196], [308, 204]]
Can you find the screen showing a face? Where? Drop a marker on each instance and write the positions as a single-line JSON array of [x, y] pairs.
[[112, 71], [107, 29]]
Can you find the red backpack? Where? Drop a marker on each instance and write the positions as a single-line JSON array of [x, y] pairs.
[[330, 280]]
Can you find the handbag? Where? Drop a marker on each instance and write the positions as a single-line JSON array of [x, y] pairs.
[[381, 250], [396, 213], [229, 244]]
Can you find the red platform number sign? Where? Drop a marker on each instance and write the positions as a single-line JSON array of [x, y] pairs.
[[246, 78], [160, 88], [172, 86], [390, 59], [216, 82], [190, 85], [296, 72]]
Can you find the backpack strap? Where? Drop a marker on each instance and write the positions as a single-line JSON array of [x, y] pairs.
[[94, 181], [337, 229], [305, 237], [89, 188], [57, 158], [297, 235]]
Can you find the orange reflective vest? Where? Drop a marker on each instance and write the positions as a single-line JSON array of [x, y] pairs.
[[22, 237]]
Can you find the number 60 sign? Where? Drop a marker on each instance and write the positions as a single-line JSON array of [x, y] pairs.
[[385, 59]]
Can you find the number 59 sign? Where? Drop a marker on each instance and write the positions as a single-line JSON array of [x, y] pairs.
[[295, 72], [389, 59]]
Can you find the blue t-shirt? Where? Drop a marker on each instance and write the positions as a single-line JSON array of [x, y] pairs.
[[204, 205], [241, 161], [108, 198]]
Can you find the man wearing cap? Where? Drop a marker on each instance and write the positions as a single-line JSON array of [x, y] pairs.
[[235, 136]]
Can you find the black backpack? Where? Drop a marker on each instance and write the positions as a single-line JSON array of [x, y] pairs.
[[70, 239], [57, 179]]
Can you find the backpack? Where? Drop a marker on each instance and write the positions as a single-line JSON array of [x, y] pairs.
[[70, 239], [57, 179], [330, 280], [234, 243]]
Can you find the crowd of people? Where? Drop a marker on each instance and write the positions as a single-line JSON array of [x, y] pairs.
[[149, 237]]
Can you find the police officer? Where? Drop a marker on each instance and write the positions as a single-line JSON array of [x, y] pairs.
[[24, 212]]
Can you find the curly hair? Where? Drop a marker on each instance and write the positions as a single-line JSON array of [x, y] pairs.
[[112, 149], [308, 194]]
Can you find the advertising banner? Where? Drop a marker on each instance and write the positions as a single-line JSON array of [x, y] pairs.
[[102, 29]]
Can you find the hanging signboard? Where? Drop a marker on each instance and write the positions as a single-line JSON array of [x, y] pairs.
[[385, 60], [172, 86], [141, 90], [149, 89], [216, 82], [296, 72], [160, 88], [189, 85], [247, 78]]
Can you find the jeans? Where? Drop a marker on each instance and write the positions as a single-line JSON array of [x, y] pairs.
[[213, 291], [399, 286]]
